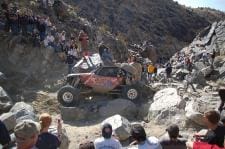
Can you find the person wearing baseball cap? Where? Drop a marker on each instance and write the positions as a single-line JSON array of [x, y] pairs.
[[172, 140], [26, 133], [107, 141]]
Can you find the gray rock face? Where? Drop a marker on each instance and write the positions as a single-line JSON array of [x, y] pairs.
[[123, 107], [5, 101], [222, 71], [199, 78], [164, 102], [2, 77], [9, 120], [207, 71], [23, 111], [120, 125], [196, 108]]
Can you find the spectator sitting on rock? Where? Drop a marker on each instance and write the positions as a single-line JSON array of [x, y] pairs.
[[47, 140], [87, 145], [139, 136], [106, 141], [26, 133], [4, 135], [172, 141], [216, 131]]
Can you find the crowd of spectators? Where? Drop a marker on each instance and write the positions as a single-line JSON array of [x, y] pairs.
[[33, 135]]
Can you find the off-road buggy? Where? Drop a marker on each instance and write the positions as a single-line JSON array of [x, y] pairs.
[[113, 80]]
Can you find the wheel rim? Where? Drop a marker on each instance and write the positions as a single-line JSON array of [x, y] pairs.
[[132, 94], [67, 97]]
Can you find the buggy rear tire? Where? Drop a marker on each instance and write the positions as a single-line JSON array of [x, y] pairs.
[[68, 96], [130, 92]]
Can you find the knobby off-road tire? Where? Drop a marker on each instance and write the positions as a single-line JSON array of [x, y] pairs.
[[68, 96], [130, 92]]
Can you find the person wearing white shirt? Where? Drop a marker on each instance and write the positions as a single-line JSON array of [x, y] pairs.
[[141, 141], [107, 141]]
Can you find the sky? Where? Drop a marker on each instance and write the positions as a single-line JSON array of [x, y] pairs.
[[216, 4]]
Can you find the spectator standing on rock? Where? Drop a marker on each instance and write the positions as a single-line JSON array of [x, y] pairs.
[[216, 131], [151, 69], [172, 141], [41, 26], [62, 37], [13, 21], [26, 133], [189, 81], [213, 55], [106, 141], [139, 136], [4, 135], [47, 140], [168, 70], [23, 21], [31, 23], [221, 93]]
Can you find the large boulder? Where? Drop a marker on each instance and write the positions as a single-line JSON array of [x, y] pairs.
[[206, 71], [2, 77], [23, 111], [219, 61], [165, 101], [199, 78], [73, 113], [5, 101], [120, 125], [199, 66], [123, 107], [222, 71], [196, 108], [9, 120]]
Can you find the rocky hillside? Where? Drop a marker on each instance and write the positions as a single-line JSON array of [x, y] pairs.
[[211, 14], [165, 23]]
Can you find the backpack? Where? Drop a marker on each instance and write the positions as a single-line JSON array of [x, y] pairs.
[[203, 145]]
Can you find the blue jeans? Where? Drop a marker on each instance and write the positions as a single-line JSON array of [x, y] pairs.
[[42, 36]]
